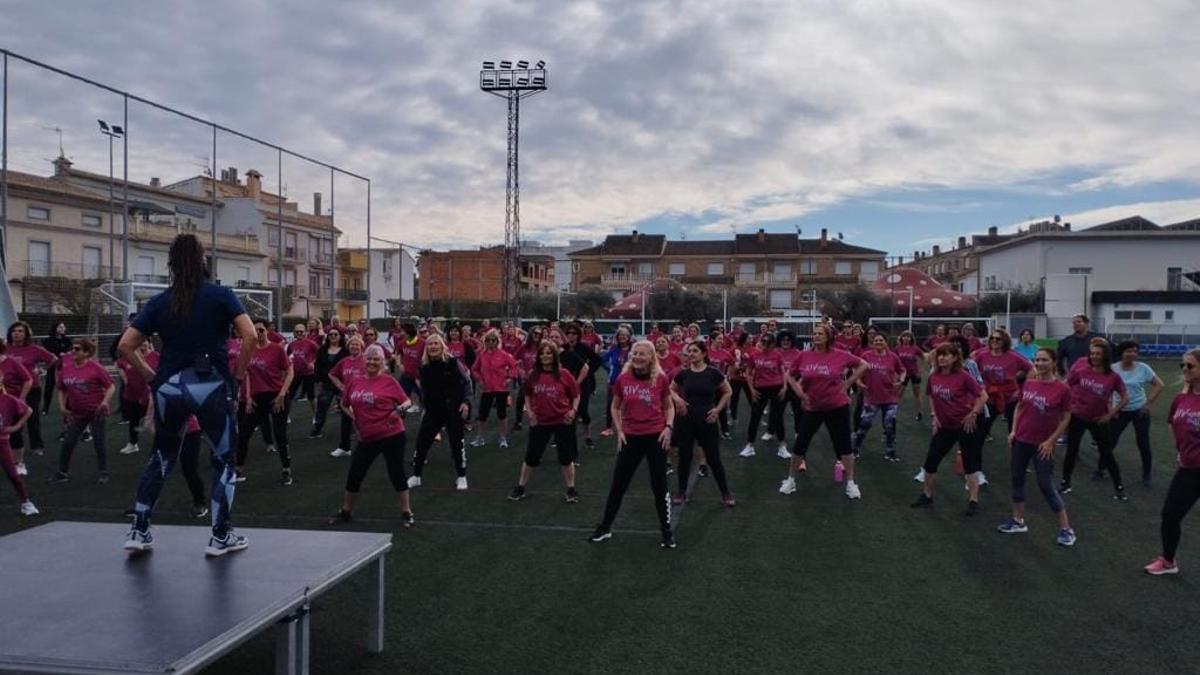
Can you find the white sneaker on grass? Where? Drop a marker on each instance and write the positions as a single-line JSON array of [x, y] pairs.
[[340, 453], [768, 436], [783, 452], [788, 486], [747, 451], [920, 477], [460, 483], [852, 490], [129, 449], [503, 442], [28, 509], [22, 470], [414, 481]]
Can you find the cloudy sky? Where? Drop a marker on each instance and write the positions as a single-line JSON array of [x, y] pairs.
[[899, 124]]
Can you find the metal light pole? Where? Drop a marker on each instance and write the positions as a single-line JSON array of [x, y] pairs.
[[1007, 305], [512, 84], [115, 131]]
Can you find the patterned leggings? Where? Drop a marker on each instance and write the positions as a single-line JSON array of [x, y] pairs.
[[208, 397]]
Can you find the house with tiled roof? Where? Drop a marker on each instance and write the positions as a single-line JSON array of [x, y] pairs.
[[783, 269]]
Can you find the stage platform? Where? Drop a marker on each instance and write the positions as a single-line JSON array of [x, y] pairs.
[[75, 602]]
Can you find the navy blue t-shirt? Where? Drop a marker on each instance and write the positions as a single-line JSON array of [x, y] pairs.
[[203, 332]]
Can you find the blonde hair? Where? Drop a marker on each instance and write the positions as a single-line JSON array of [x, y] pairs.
[[434, 337], [353, 339], [655, 369], [1195, 354]]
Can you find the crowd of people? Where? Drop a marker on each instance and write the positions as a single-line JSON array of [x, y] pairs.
[[671, 398]]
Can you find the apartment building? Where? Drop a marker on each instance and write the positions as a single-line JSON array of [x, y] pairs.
[[478, 274], [351, 291], [957, 268], [561, 255], [299, 246], [785, 270], [393, 278]]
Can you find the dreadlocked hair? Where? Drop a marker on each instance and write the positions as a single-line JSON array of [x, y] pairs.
[[186, 262]]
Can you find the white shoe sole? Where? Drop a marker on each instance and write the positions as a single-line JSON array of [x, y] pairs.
[[214, 552], [137, 547], [783, 454], [461, 488], [787, 489]]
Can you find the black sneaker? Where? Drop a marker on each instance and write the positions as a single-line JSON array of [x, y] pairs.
[[1121, 496], [891, 456], [1146, 482], [668, 540], [407, 519], [1097, 475], [87, 436], [516, 427], [702, 471], [285, 479], [1064, 488], [602, 533], [199, 511], [342, 516], [972, 508], [922, 501], [102, 479], [920, 417], [58, 478], [670, 469], [315, 434], [572, 496], [589, 443], [726, 436], [517, 494]]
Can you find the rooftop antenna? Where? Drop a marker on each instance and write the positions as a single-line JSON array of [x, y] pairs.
[[799, 230], [59, 131]]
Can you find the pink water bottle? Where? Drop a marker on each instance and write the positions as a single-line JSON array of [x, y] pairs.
[[839, 472]]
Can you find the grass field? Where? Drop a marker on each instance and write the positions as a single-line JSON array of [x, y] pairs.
[[809, 582]]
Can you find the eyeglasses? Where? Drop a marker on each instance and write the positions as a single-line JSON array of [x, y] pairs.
[[334, 334], [995, 339], [77, 348]]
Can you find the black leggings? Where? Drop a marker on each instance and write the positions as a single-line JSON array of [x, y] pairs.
[[689, 433], [431, 423], [133, 413], [586, 390], [837, 423], [34, 425], [392, 449], [993, 412], [1141, 432], [48, 396], [263, 414], [943, 441], [189, 463], [628, 458], [766, 396], [1181, 496], [1103, 440], [1022, 454], [739, 390]]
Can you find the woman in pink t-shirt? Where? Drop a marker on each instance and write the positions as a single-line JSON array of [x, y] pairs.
[[913, 357], [494, 368], [1042, 414], [1097, 395], [13, 413], [552, 397], [267, 382], [644, 418], [882, 385], [527, 357], [340, 376], [84, 392], [1184, 419], [1001, 369], [668, 358], [303, 353], [819, 378], [135, 394], [765, 381], [17, 382], [955, 402], [376, 403], [36, 359]]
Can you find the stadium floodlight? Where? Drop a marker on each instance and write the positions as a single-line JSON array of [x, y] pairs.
[[506, 65], [522, 65], [489, 65], [541, 65]]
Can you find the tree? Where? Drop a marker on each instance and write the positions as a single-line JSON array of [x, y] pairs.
[[1025, 299], [745, 303], [857, 303], [540, 306], [591, 301]]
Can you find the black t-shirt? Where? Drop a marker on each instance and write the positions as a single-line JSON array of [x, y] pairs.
[[575, 359], [201, 334], [699, 390]]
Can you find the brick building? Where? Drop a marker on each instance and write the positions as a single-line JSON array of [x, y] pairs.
[[782, 269], [958, 268], [478, 274]]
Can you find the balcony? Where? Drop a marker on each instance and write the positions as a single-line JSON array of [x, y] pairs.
[[626, 279], [41, 269], [291, 254], [141, 229], [319, 258], [765, 279], [352, 295]]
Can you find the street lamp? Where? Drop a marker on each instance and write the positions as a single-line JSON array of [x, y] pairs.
[[114, 131]]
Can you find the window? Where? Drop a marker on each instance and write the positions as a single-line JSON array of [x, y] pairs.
[[289, 277], [39, 258], [273, 236], [314, 285], [781, 299], [91, 262], [616, 270], [645, 269], [243, 273], [387, 267], [328, 281], [781, 272], [841, 268], [145, 266], [37, 213], [289, 245], [868, 271], [1169, 315], [676, 269], [1174, 278], [1079, 270], [716, 269], [746, 271], [273, 276], [808, 267], [809, 296], [1131, 314], [91, 220]]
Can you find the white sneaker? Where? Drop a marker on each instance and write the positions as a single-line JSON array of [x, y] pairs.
[[783, 452], [747, 451], [340, 453], [852, 490], [21, 470], [768, 436], [271, 448], [414, 481], [982, 479], [28, 509], [477, 442], [129, 449], [920, 477], [503, 442], [415, 409], [461, 483], [788, 486]]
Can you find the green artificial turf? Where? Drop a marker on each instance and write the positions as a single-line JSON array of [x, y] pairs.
[[809, 582]]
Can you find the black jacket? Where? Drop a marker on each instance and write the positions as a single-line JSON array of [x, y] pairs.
[[445, 385]]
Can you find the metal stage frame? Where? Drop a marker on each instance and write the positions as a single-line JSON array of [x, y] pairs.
[[77, 603]]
